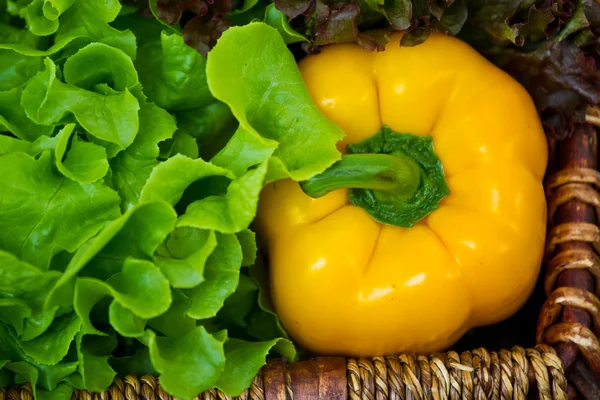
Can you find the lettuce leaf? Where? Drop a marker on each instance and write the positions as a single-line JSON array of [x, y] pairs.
[[13, 118], [188, 364], [173, 74], [258, 83], [244, 360], [183, 256], [53, 345], [124, 241], [131, 168], [221, 278], [85, 162], [34, 198], [110, 117]]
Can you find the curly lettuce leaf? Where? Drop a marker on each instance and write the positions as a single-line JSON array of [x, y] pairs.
[[63, 391], [16, 69], [239, 305], [174, 322], [263, 323], [247, 240], [132, 167], [183, 256], [221, 278], [90, 19], [515, 21], [13, 312], [280, 21], [229, 213], [118, 251], [111, 66], [125, 322], [263, 81], [141, 288], [34, 197], [21, 279], [189, 364], [38, 23], [370, 22], [85, 162], [110, 117], [172, 73], [10, 144], [23, 369], [160, 186], [560, 73], [94, 371], [212, 126], [65, 23], [53, 9], [85, 144], [13, 118], [53, 345], [244, 360]]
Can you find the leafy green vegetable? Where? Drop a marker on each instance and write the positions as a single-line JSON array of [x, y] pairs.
[[237, 306], [229, 213], [64, 391], [183, 257], [188, 364], [370, 22], [37, 21], [53, 345], [109, 117], [13, 118], [94, 371], [16, 69], [160, 187], [221, 278], [259, 83], [173, 74], [549, 51], [279, 20], [132, 167], [90, 19], [118, 251], [130, 171], [20, 278], [243, 361], [86, 162], [34, 198]]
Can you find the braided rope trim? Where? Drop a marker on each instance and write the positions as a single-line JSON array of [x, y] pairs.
[[583, 185], [475, 375], [573, 232]]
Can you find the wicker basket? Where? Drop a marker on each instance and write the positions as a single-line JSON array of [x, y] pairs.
[[563, 361]]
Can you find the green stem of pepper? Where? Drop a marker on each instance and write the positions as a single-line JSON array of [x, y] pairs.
[[381, 172], [395, 177]]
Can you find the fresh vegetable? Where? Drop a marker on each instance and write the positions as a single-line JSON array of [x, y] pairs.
[[124, 240], [168, 117], [392, 249]]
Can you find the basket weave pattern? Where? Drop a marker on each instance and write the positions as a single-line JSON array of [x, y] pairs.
[[564, 365], [471, 376], [570, 317]]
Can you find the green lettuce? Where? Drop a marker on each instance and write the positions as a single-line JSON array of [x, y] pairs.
[[131, 168], [38, 205], [257, 84]]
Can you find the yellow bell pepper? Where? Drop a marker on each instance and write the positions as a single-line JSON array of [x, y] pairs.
[[346, 279]]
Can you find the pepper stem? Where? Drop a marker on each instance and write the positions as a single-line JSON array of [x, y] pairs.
[[381, 172], [395, 177]]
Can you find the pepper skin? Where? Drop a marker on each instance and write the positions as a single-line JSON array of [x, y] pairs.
[[345, 284]]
